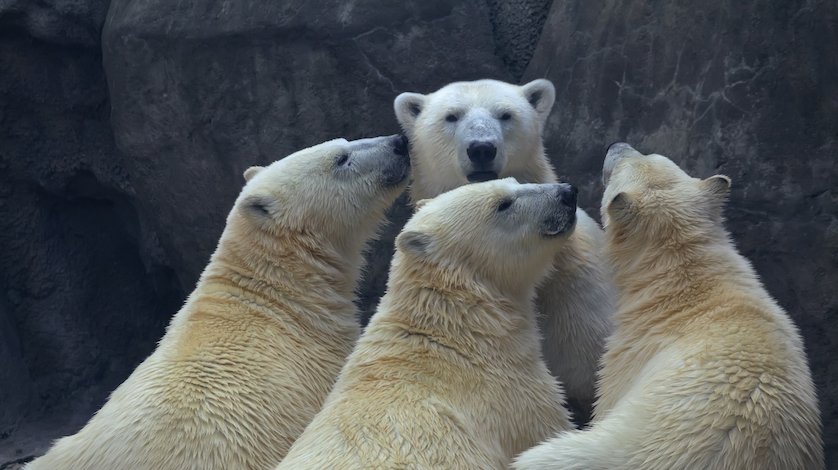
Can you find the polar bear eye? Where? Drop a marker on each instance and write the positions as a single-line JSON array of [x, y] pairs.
[[451, 118], [504, 205], [342, 159], [505, 117]]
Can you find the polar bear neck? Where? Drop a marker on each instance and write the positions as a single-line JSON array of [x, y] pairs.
[[296, 266], [648, 272], [462, 313]]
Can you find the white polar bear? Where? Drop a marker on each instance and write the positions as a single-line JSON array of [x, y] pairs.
[[704, 371], [475, 131], [448, 373], [249, 359]]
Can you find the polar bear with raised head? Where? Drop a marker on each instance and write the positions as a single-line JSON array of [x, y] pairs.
[[704, 371], [468, 132], [448, 373], [249, 359]]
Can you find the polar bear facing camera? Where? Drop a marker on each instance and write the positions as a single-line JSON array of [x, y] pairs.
[[448, 373], [476, 131], [704, 370], [469, 132], [249, 359]]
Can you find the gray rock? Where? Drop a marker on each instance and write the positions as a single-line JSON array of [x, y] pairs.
[[517, 26], [78, 308], [64, 22], [17, 389]]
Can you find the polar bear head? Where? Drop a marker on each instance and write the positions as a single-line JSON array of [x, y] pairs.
[[499, 233], [650, 201], [334, 194], [477, 131]]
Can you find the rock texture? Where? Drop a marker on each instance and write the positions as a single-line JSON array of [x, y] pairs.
[[125, 127], [78, 308]]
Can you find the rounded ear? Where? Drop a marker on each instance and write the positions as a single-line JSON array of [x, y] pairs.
[[418, 204], [408, 106], [541, 94], [258, 206], [621, 208], [718, 185], [415, 243], [251, 172]]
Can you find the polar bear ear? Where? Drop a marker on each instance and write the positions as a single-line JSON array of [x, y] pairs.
[[718, 186], [408, 106], [419, 204], [541, 94], [251, 172], [258, 206], [622, 208], [415, 243]]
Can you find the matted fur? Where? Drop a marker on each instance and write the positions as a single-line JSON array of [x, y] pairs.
[[576, 303], [249, 359], [448, 373], [704, 371]]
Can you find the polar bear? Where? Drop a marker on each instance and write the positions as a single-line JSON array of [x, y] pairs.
[[475, 131], [247, 362], [705, 370], [448, 373]]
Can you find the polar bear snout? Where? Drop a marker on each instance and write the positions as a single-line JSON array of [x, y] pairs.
[[482, 156], [481, 153], [616, 152], [397, 169], [400, 145], [567, 195], [563, 215]]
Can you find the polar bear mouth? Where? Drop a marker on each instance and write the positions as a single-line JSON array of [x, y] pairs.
[[481, 176], [556, 227], [397, 172]]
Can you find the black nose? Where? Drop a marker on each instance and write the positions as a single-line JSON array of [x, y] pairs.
[[567, 194], [400, 145], [481, 153]]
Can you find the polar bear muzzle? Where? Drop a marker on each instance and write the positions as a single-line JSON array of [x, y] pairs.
[[564, 217], [397, 169], [616, 152]]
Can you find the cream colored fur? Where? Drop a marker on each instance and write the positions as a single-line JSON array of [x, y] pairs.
[[448, 374], [249, 359], [576, 303], [704, 371]]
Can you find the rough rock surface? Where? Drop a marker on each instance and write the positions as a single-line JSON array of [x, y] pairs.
[[125, 127]]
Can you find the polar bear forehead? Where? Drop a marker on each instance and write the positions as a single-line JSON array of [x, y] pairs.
[[481, 93], [634, 169], [467, 201], [658, 171], [314, 155], [293, 167]]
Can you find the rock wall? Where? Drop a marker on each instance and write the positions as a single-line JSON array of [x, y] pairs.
[[125, 127]]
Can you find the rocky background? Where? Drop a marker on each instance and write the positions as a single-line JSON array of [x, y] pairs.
[[125, 127]]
